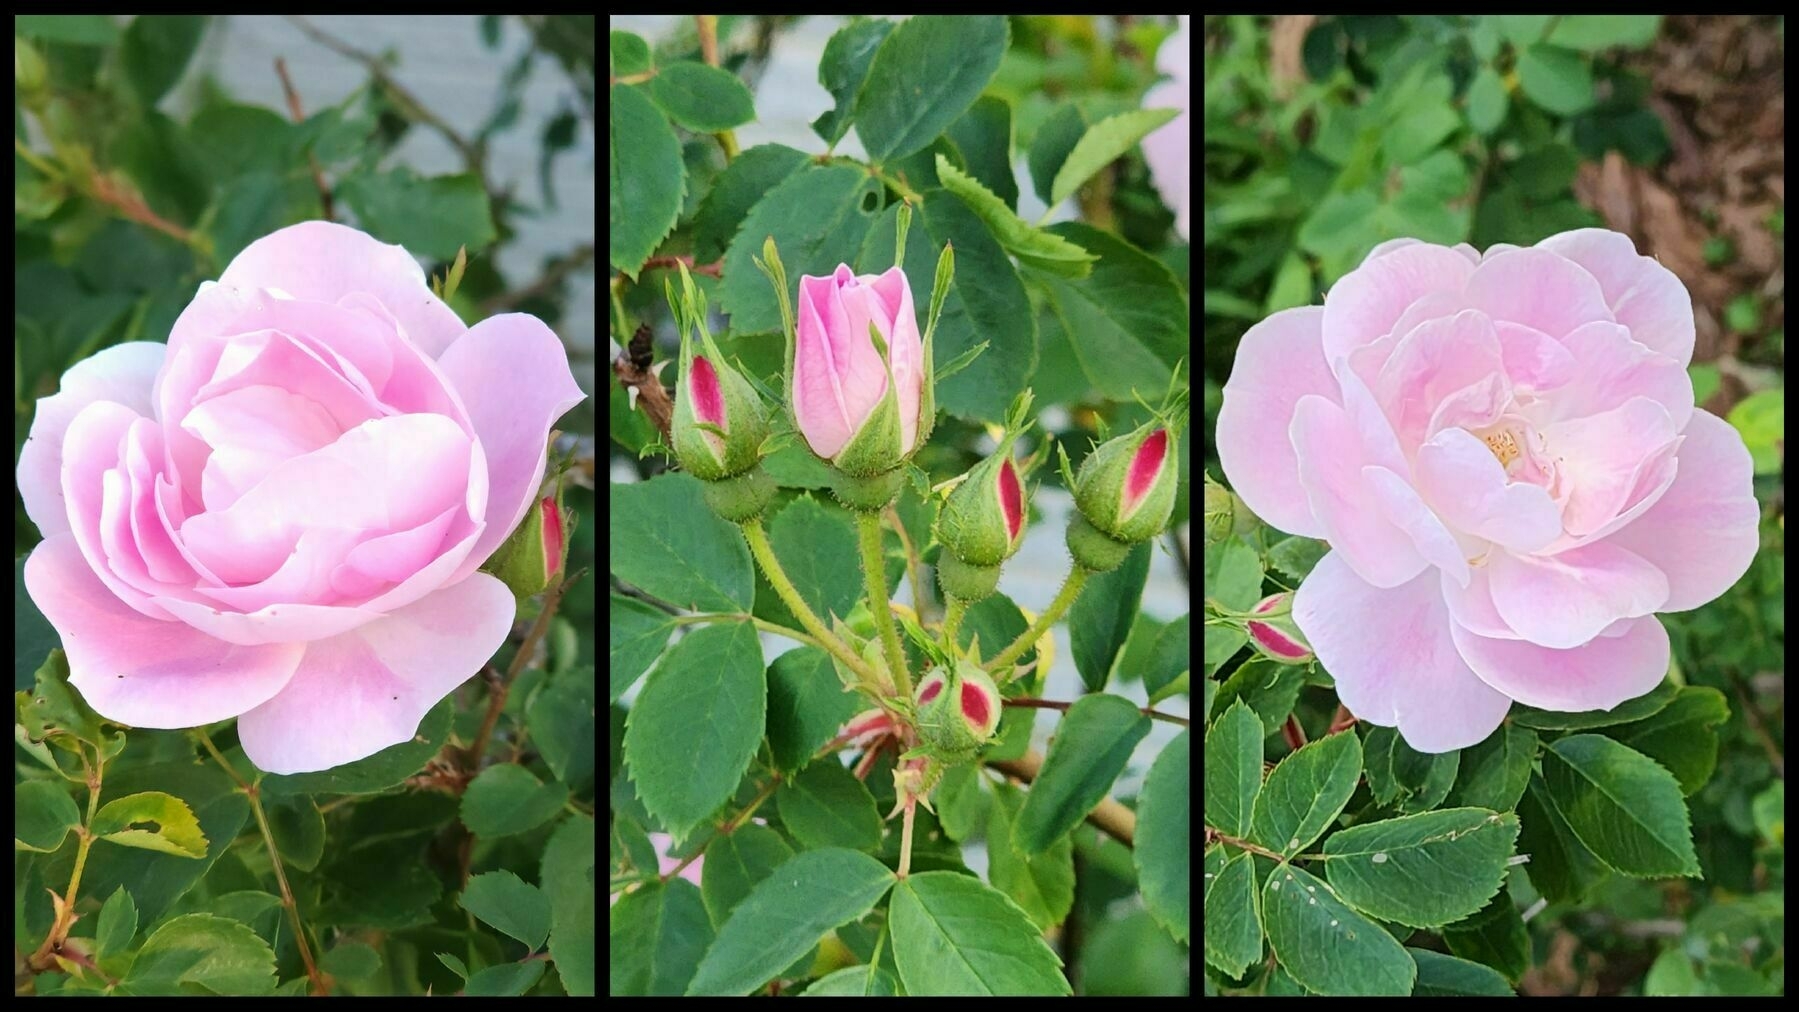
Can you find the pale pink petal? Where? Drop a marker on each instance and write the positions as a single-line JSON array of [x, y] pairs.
[[1400, 502], [1279, 361], [817, 397], [94, 446], [1611, 368], [323, 262], [1330, 470], [512, 374], [1393, 658], [1652, 480], [356, 694], [1436, 359], [1538, 289], [276, 623], [1644, 295], [1604, 457], [1565, 600], [905, 349], [143, 671], [1462, 480], [1472, 606], [1432, 306], [1365, 303], [123, 374], [1703, 531], [1533, 359], [1598, 675], [253, 430]]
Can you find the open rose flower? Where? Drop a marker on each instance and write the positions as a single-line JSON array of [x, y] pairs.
[[278, 516], [1504, 455]]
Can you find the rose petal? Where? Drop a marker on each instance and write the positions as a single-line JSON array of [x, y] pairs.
[[1472, 606], [93, 446], [1564, 600], [1330, 470], [143, 671], [1462, 480], [1538, 289], [1393, 657], [1610, 368], [1702, 532], [512, 374], [1643, 295], [1605, 456], [1400, 502], [1279, 361], [1436, 359], [356, 694], [1365, 304], [123, 374], [1598, 675]]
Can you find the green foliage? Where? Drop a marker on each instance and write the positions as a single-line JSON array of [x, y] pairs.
[[1305, 793], [1089, 751], [952, 935], [1425, 870]]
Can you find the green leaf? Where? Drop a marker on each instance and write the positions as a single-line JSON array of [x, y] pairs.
[[561, 718], [74, 29], [1671, 974], [176, 830], [430, 216], [1417, 781], [1127, 321], [954, 935], [1631, 709], [1325, 945], [1056, 137], [697, 724], [925, 74], [1493, 774], [1233, 922], [1101, 618], [567, 878], [299, 830], [786, 914], [1306, 792], [220, 955], [1033, 247], [252, 205], [509, 904], [1561, 867], [1487, 101], [1448, 977], [42, 815], [1130, 956], [386, 768], [749, 176], [842, 70], [1761, 419], [1423, 870], [961, 802], [1625, 808], [1233, 769], [854, 982], [986, 303], [700, 564], [637, 632], [505, 979], [1164, 848], [1268, 687], [1088, 752], [351, 961], [818, 217], [506, 799], [1169, 661], [1233, 574], [735, 863], [1593, 32], [1683, 737], [53, 709], [812, 538], [1103, 143], [118, 924], [807, 705], [1042, 884], [630, 55], [826, 806], [1556, 79], [648, 179], [156, 51], [658, 934], [1522, 29], [984, 137], [1769, 812], [701, 98], [1494, 936]]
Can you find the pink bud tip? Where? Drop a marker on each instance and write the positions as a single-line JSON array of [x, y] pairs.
[[931, 688], [708, 400], [1146, 466], [552, 536], [1011, 500], [975, 704]]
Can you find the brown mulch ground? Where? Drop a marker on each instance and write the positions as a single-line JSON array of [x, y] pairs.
[[1719, 85]]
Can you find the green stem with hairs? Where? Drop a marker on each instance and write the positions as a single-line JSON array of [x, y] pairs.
[[764, 552], [1077, 578], [875, 576]]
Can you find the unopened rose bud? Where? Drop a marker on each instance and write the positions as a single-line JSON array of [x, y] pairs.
[[532, 559], [958, 710], [1273, 632]]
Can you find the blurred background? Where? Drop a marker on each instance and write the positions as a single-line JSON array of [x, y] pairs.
[[1327, 135], [148, 151]]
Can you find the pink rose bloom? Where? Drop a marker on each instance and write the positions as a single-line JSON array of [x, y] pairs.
[[1504, 455], [278, 515], [838, 376], [1168, 149]]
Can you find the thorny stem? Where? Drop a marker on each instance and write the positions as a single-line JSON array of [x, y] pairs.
[[777, 578], [1056, 704], [952, 620], [1077, 578], [874, 573], [730, 826], [708, 29], [299, 114], [760, 623]]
